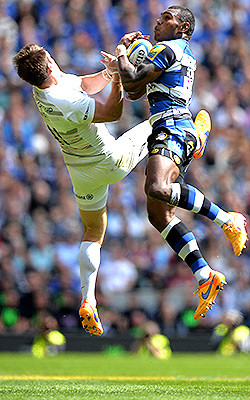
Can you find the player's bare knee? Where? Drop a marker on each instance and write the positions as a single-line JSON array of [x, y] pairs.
[[158, 191], [158, 220], [94, 234], [152, 219]]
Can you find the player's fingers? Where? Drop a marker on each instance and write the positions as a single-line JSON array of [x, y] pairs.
[[103, 53], [144, 37], [107, 56], [134, 35]]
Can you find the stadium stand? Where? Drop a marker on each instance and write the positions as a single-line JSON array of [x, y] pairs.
[[140, 277]]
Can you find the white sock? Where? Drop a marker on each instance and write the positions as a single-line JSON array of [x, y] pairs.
[[203, 273], [222, 218], [89, 262]]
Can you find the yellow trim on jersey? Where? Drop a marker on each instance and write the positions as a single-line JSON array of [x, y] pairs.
[[155, 50]]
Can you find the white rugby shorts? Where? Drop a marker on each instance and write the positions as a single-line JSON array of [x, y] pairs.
[[91, 182]]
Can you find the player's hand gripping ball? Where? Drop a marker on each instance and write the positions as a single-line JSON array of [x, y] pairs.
[[138, 50]]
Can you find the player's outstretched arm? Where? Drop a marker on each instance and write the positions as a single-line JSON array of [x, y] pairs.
[[111, 110], [134, 79], [94, 83]]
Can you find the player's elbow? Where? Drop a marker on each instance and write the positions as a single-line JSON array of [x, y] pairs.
[[134, 91], [131, 87]]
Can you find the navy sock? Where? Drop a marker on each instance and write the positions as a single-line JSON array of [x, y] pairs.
[[190, 198], [183, 242]]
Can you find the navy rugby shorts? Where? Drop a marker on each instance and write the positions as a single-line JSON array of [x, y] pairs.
[[175, 140]]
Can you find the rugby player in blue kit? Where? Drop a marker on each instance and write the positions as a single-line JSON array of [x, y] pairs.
[[166, 76]]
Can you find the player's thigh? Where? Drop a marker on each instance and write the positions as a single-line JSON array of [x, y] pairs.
[[161, 169], [161, 172], [131, 148], [177, 147], [90, 191], [94, 224], [138, 136]]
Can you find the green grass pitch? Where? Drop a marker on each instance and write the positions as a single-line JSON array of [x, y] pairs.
[[101, 376]]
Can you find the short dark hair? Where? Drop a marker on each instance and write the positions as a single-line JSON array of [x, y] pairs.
[[185, 15], [31, 64]]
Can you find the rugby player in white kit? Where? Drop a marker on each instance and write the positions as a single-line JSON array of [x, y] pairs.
[[94, 158]]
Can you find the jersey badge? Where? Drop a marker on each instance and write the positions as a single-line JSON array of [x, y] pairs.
[[161, 136]]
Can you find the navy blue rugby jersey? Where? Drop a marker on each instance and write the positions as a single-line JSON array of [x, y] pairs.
[[170, 94]]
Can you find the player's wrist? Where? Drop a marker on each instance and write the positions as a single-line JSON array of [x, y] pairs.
[[116, 77], [121, 50], [111, 70], [106, 75]]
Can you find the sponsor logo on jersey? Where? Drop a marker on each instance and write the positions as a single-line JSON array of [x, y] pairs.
[[155, 151], [155, 51]]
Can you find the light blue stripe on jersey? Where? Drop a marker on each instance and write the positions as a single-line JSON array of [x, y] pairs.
[[188, 51], [176, 80], [170, 80]]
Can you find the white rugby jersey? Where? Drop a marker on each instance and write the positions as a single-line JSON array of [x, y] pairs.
[[68, 112]]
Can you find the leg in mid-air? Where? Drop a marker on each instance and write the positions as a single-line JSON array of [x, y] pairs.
[[165, 191], [232, 223], [185, 196], [91, 190], [94, 223], [183, 242], [91, 196], [190, 198]]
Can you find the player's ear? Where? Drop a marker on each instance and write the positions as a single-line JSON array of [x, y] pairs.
[[184, 27], [49, 66]]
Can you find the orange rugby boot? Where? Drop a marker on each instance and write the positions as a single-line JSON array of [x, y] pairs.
[[207, 292], [90, 319], [203, 127]]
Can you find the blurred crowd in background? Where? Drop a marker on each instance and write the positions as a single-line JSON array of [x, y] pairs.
[[140, 277]]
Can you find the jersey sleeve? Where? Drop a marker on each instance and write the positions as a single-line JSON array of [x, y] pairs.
[[162, 56]]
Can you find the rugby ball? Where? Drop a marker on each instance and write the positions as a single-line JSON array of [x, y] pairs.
[[138, 50]]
